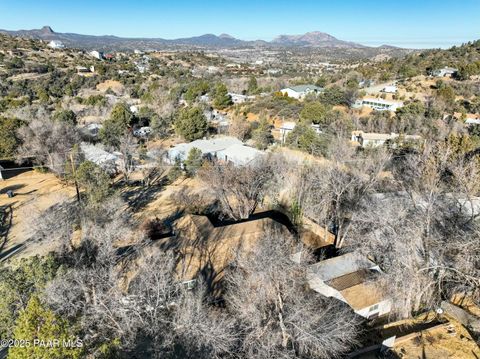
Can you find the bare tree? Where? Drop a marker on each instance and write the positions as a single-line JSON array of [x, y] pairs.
[[48, 142], [128, 149], [278, 316], [240, 189], [424, 236], [330, 192]]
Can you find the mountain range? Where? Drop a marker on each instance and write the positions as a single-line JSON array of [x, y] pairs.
[[108, 42]]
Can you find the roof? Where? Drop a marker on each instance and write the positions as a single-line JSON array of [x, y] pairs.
[[206, 146], [315, 235], [363, 295], [382, 101], [288, 126], [205, 245], [332, 268], [239, 154], [305, 88]]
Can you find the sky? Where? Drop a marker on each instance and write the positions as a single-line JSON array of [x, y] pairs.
[[405, 23]]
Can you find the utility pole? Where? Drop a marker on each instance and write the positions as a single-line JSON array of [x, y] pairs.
[[74, 173]]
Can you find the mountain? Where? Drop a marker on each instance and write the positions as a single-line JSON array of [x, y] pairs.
[[314, 39]]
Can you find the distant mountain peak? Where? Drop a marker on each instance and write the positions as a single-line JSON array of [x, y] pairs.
[[313, 38], [226, 36], [47, 30]]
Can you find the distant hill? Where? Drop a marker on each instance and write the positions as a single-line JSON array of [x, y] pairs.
[[108, 42], [314, 39]]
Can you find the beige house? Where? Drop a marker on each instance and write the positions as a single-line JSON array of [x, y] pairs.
[[353, 279]]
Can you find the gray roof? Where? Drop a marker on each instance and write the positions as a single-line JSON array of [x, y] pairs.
[[336, 267], [239, 154], [305, 88], [211, 146]]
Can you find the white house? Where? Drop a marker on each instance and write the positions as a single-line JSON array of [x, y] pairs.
[[96, 54], [96, 154], [209, 148], [352, 279], [288, 127], [239, 154], [379, 104], [238, 98], [390, 89], [301, 91], [142, 131], [371, 139], [444, 72], [56, 44], [472, 119]]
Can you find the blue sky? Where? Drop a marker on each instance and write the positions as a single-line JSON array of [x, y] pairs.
[[408, 23]]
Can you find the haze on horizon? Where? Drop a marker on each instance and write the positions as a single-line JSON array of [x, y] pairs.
[[409, 24]]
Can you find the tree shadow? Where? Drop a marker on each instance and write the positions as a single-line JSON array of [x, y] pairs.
[[139, 197]]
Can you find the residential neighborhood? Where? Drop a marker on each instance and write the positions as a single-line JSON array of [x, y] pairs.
[[223, 181]]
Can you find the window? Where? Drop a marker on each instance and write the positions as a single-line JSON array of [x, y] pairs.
[[373, 308]]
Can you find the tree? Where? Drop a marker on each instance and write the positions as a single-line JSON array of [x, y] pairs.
[[430, 224], [221, 98], [240, 189], [36, 322], [262, 135], [66, 116], [304, 137], [19, 283], [252, 85], [191, 123], [333, 96], [48, 142], [277, 315], [315, 112], [9, 139], [193, 162], [94, 181], [129, 150], [116, 125], [239, 127]]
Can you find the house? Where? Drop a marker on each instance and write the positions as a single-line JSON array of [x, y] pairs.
[[379, 104], [353, 279], [239, 154], [366, 139], [56, 44], [472, 119], [142, 131], [390, 89], [238, 98], [444, 72], [92, 129], [205, 246], [96, 154], [301, 91], [288, 127], [209, 148], [96, 54], [82, 69]]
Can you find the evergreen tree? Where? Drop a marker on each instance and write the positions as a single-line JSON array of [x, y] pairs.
[[191, 124], [37, 323], [221, 98]]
